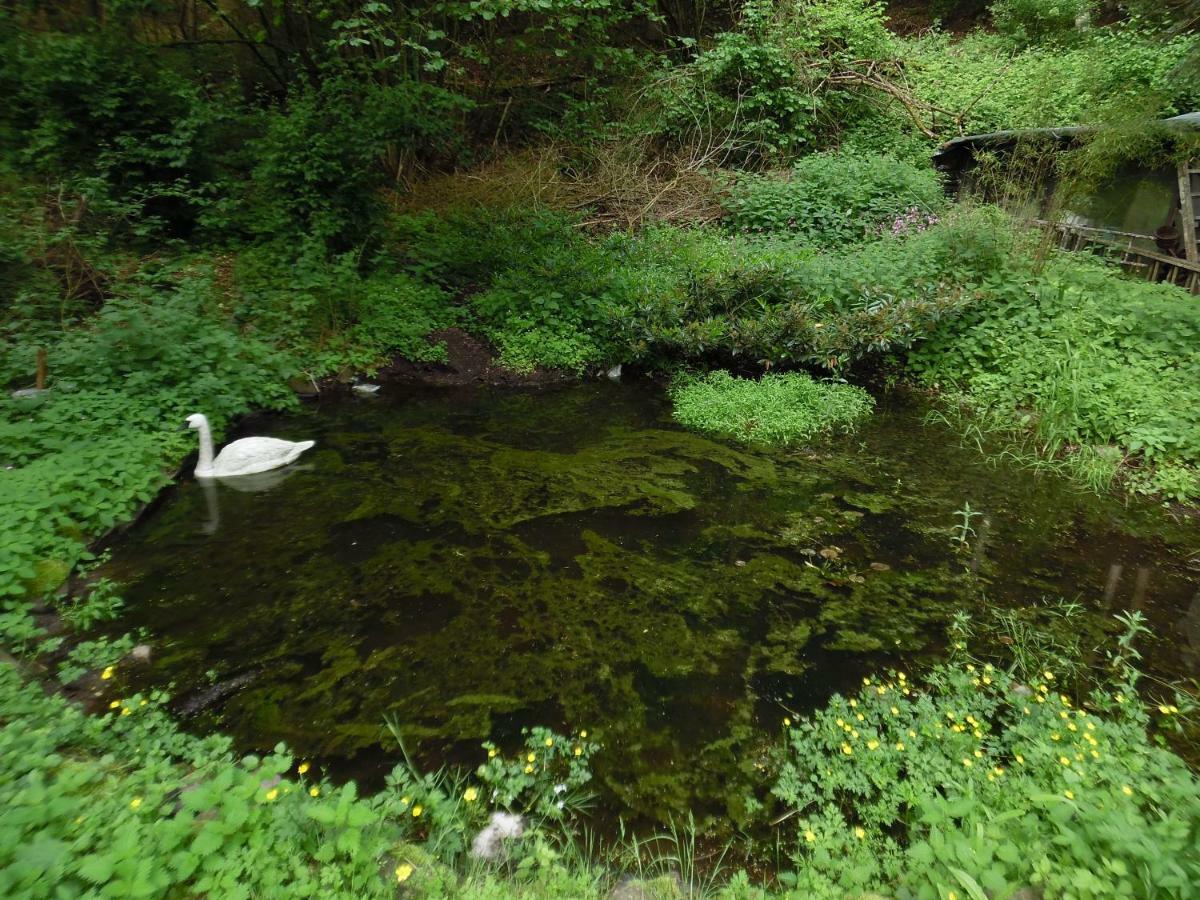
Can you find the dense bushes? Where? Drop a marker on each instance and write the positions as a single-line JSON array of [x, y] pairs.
[[1083, 358], [982, 782], [1110, 69], [832, 199]]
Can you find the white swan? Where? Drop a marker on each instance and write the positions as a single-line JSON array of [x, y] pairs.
[[244, 457]]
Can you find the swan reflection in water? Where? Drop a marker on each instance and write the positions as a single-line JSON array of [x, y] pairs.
[[259, 483]]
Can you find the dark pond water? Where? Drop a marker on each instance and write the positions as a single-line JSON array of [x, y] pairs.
[[475, 560]]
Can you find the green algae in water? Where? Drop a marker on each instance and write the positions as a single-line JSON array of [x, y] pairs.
[[472, 561]]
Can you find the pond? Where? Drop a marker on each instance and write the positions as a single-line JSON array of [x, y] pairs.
[[475, 560]]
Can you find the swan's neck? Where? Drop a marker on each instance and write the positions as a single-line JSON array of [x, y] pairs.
[[204, 466]]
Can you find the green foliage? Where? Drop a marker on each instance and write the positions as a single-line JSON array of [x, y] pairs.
[[1038, 21], [543, 293], [763, 93], [978, 782], [775, 409], [832, 199], [103, 113], [321, 160], [979, 78], [1081, 357], [698, 295]]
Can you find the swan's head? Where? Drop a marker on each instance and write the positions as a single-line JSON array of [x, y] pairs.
[[196, 420]]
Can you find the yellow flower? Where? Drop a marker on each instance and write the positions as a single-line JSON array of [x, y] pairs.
[[901, 676], [1063, 698], [107, 673], [531, 757], [303, 767], [859, 716], [866, 681], [583, 734], [872, 744], [1165, 710], [977, 733], [979, 754], [1120, 698], [998, 770], [114, 704], [1043, 688], [272, 794], [1020, 759], [142, 702], [970, 668], [899, 745], [403, 873], [809, 836], [911, 733], [847, 749], [895, 711], [404, 801], [881, 690], [1049, 676], [841, 723], [787, 723], [314, 791], [470, 795], [987, 667], [1063, 714], [853, 703], [1025, 710], [579, 751], [492, 751], [967, 763], [950, 714], [1064, 761], [417, 810], [1056, 736], [1071, 726], [987, 680], [853, 733], [529, 770], [126, 711], [1070, 795], [549, 742], [1090, 726], [135, 802], [860, 832], [950, 895], [1040, 699], [975, 681], [1127, 790], [1095, 755]]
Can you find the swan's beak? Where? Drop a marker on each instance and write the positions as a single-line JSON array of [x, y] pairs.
[[185, 427]]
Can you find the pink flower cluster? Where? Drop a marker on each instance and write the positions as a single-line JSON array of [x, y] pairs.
[[911, 221]]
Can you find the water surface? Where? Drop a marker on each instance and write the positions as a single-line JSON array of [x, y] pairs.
[[474, 560]]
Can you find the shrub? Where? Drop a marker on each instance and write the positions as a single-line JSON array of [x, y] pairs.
[[1082, 356], [833, 198], [1037, 21], [977, 783], [775, 409], [1108, 69]]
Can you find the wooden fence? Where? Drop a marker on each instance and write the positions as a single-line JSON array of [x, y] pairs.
[[1121, 247]]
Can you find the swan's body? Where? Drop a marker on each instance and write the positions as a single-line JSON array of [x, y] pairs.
[[248, 456]]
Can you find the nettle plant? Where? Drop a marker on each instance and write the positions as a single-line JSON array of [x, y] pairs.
[[974, 784]]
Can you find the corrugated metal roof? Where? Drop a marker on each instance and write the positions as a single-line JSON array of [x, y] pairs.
[[1187, 120]]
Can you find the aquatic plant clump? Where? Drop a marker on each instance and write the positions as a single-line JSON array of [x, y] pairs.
[[775, 409]]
